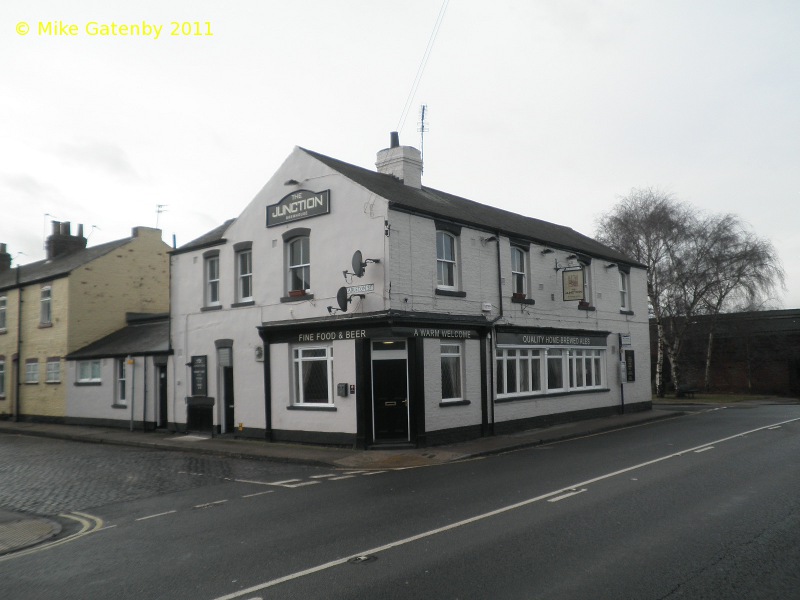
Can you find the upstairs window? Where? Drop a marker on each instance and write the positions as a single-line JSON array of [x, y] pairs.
[[211, 267], [519, 277], [299, 264], [3, 306], [46, 306], [446, 261], [244, 275], [624, 289]]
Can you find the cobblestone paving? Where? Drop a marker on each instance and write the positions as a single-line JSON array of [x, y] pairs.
[[46, 477]]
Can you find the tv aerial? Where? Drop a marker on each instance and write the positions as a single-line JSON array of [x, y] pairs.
[[359, 265]]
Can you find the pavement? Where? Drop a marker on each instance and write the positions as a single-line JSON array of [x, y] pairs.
[[20, 530]]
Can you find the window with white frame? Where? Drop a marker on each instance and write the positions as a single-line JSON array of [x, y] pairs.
[[211, 266], [32, 371], [446, 257], [555, 369], [519, 277], [313, 375], [585, 369], [624, 290], [519, 371], [451, 372], [2, 377], [89, 371], [52, 373], [3, 307], [299, 258], [121, 395], [46, 305], [244, 275]]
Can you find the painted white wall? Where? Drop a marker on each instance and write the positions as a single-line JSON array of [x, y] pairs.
[[445, 417]]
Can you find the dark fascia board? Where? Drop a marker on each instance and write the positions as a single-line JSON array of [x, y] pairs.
[[211, 244], [96, 355]]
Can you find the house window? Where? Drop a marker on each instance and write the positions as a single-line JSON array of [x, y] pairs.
[[585, 369], [244, 275], [2, 377], [313, 374], [32, 371], [52, 372], [446, 260], [555, 370], [212, 280], [299, 264], [624, 290], [3, 305], [89, 371], [519, 371], [451, 372], [46, 307], [121, 398], [519, 280]]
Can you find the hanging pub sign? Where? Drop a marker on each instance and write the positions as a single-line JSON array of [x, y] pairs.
[[302, 204], [573, 284]]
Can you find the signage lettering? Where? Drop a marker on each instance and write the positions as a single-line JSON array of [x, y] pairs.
[[458, 334], [361, 289], [573, 284], [200, 375], [328, 336], [552, 339], [298, 205]]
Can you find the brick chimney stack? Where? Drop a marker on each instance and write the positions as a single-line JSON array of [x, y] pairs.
[[5, 259], [61, 242], [404, 162]]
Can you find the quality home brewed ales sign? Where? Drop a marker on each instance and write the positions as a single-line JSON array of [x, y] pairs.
[[302, 204]]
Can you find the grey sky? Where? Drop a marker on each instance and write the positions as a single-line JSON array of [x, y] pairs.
[[552, 109]]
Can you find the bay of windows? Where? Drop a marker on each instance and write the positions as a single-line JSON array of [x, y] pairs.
[[531, 371]]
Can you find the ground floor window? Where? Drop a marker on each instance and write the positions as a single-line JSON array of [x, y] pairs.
[[313, 374], [89, 371], [451, 371], [122, 398], [2, 378], [53, 371], [526, 371]]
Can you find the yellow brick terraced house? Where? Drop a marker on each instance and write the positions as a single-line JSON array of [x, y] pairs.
[[75, 296]]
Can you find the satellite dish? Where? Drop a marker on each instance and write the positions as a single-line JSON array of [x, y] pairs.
[[358, 264], [341, 298]]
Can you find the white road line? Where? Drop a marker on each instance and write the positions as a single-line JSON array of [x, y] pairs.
[[257, 494], [341, 477], [374, 472], [567, 495], [257, 482], [706, 449], [169, 512], [323, 476], [776, 427], [208, 504], [481, 517]]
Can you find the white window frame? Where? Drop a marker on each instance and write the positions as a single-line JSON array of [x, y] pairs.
[[3, 312], [300, 358], [624, 291], [52, 373], [120, 392], [32, 372], [2, 377], [211, 280], [449, 351], [519, 271], [93, 372], [46, 305], [556, 356], [300, 263], [244, 275], [519, 359], [444, 264]]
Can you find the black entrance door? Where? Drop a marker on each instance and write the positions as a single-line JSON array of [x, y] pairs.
[[227, 382], [390, 400], [162, 396]]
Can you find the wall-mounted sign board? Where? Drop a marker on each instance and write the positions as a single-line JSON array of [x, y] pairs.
[[299, 205], [573, 284]]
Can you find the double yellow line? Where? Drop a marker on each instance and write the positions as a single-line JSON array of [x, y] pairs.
[[89, 524]]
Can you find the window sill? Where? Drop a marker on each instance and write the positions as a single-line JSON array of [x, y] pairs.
[[3, 331], [626, 312], [586, 307], [528, 301], [86, 383], [450, 293], [208, 308], [119, 406], [52, 382], [447, 403], [551, 395], [241, 304], [45, 325], [311, 407], [297, 298], [31, 383]]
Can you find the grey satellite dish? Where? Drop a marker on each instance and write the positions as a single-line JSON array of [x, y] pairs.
[[341, 299], [358, 264]]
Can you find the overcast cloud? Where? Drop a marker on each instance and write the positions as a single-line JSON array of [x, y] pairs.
[[552, 109]]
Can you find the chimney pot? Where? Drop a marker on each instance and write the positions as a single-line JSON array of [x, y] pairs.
[[394, 139]]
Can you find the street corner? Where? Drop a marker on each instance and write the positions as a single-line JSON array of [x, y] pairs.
[[19, 531]]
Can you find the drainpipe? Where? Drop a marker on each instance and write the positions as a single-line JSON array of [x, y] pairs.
[[499, 274], [144, 393], [18, 368], [130, 361]]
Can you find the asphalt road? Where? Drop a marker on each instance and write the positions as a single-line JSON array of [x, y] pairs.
[[703, 506]]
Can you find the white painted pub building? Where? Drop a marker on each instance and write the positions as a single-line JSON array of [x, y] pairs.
[[356, 307]]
